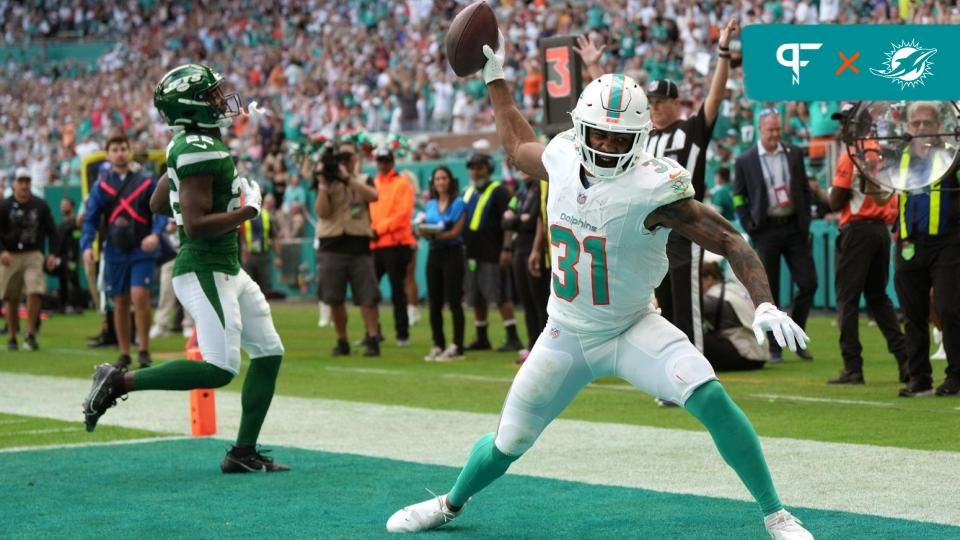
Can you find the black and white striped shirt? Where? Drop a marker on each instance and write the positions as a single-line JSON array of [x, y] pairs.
[[685, 141]]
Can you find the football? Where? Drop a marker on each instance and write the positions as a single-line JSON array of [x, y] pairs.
[[472, 28]]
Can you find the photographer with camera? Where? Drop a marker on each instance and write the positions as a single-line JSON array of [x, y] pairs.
[[344, 233]]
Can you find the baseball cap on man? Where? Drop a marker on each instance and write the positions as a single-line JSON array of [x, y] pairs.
[[663, 89], [22, 172], [478, 158], [844, 112]]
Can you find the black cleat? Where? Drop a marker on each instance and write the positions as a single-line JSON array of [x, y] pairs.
[[123, 362], [144, 358], [950, 387], [479, 345], [12, 344], [371, 346], [30, 343], [916, 390], [253, 461], [847, 377], [804, 354], [342, 348], [107, 388], [104, 339], [510, 346]]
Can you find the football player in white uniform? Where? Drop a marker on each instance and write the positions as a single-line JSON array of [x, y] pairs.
[[609, 210]]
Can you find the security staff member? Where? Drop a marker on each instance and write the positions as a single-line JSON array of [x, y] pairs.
[[489, 253], [257, 236], [928, 250], [862, 266]]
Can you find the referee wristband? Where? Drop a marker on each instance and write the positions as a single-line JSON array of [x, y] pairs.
[[723, 49], [724, 55]]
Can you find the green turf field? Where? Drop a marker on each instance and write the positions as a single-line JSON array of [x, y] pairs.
[[169, 489], [785, 400], [69, 483]]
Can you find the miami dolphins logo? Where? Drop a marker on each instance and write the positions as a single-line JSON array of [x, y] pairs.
[[907, 64]]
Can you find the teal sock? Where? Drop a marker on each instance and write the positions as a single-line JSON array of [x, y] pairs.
[[257, 394], [485, 464], [736, 440], [181, 375]]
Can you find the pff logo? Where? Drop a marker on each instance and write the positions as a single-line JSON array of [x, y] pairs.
[[794, 62]]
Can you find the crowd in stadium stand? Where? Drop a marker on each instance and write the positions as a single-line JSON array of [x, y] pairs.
[[371, 65]]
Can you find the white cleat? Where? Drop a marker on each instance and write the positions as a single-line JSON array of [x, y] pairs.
[[423, 516], [783, 526]]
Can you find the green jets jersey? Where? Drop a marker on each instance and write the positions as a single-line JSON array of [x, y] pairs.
[[192, 154]]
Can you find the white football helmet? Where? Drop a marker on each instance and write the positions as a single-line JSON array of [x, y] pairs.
[[614, 103]]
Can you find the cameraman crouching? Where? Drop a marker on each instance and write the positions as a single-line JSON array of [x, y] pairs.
[[343, 239]]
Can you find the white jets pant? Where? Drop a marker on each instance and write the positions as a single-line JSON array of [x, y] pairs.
[[229, 312], [652, 355]]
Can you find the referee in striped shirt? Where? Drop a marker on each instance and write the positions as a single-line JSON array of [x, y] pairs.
[[685, 141]]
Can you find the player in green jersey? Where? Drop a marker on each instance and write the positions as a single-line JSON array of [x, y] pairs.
[[202, 192]]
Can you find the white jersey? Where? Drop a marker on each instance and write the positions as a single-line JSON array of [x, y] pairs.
[[605, 263]]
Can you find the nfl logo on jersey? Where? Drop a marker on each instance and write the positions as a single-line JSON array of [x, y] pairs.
[[581, 197], [554, 332]]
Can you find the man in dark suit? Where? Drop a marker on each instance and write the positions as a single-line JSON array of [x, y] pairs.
[[772, 198]]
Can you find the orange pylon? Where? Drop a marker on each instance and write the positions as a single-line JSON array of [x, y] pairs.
[[203, 406]]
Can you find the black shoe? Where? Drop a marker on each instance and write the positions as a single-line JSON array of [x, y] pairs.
[[776, 357], [804, 354], [12, 344], [107, 388], [371, 346], [510, 346], [342, 348], [248, 460], [479, 345], [103, 340], [847, 377], [904, 374], [123, 362], [144, 358], [950, 387], [30, 343], [916, 390]]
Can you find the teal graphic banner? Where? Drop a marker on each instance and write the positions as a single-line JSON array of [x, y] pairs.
[[876, 62]]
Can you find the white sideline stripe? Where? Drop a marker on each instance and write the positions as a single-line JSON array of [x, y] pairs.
[[40, 431], [93, 444], [831, 476], [467, 377], [13, 421], [825, 400]]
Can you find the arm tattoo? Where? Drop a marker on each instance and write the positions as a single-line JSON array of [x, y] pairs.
[[703, 225]]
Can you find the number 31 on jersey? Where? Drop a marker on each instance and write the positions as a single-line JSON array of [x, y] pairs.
[[566, 283]]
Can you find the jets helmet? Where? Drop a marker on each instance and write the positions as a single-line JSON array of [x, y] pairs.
[[192, 95], [613, 103]]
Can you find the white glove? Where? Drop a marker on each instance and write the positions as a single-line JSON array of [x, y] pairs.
[[252, 196], [787, 333], [493, 69], [255, 111]]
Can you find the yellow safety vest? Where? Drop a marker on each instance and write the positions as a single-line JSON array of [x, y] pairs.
[[248, 233], [939, 166], [477, 215]]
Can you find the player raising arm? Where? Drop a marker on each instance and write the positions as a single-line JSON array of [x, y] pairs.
[[608, 211]]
